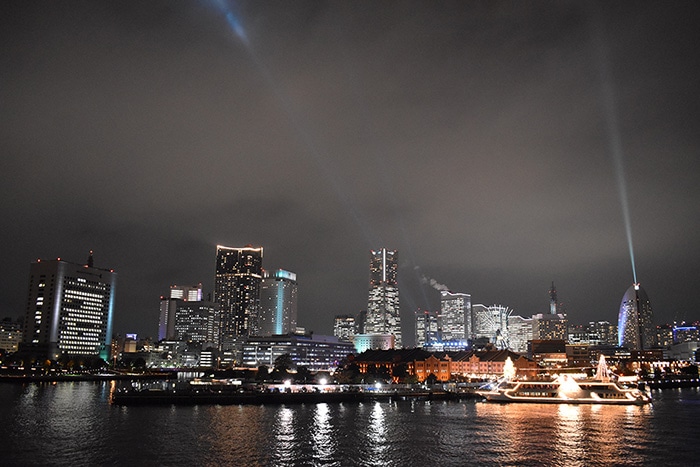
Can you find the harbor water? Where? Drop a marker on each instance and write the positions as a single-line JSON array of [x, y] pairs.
[[73, 423]]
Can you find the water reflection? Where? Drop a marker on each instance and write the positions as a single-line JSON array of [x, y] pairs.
[[324, 444], [284, 432], [376, 436]]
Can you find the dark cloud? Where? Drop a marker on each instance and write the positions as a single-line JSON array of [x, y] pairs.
[[471, 137]]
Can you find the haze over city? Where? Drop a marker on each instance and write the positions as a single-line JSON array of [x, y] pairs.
[[494, 145]]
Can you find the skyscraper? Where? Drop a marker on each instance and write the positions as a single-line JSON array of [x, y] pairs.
[[278, 303], [427, 328], [634, 326], [344, 327], [383, 304], [455, 314], [168, 306], [69, 309], [237, 291]]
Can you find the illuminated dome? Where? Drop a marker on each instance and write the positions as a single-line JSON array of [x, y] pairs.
[[634, 325]]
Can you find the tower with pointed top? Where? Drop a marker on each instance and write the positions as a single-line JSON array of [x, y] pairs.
[[553, 304], [635, 321]]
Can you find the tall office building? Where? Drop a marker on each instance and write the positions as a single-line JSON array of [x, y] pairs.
[[197, 321], [69, 309], [237, 291], [634, 326], [383, 304], [553, 304], [278, 303], [520, 331], [455, 314], [427, 328], [168, 306], [188, 293]]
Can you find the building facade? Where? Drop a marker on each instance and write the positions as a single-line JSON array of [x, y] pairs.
[[197, 321], [491, 322], [69, 309], [455, 315], [635, 321], [344, 327], [317, 353], [383, 305], [237, 291], [427, 328], [278, 303]]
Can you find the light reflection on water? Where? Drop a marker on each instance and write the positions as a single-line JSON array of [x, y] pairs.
[[73, 424]]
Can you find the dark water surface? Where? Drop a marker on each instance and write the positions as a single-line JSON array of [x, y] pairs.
[[74, 424]]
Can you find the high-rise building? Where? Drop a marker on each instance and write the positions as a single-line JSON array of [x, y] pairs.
[[427, 328], [278, 303], [188, 293], [553, 305], [10, 335], [455, 315], [634, 326], [237, 291], [519, 333], [383, 304], [548, 326], [491, 322], [197, 321], [69, 309], [344, 327]]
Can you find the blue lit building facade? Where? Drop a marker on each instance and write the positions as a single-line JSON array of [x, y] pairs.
[[278, 303], [635, 321]]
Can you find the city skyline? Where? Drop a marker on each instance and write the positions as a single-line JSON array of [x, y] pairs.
[[483, 141]]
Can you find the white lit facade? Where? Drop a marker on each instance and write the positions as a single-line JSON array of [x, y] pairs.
[[69, 309], [383, 305], [455, 316]]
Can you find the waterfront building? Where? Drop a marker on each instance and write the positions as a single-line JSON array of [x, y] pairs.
[[491, 322], [237, 291], [166, 318], [427, 328], [635, 321], [69, 309], [278, 303], [455, 315], [10, 335], [364, 342], [315, 352], [664, 335], [685, 333], [549, 353], [383, 304], [344, 327], [520, 331], [593, 333], [197, 321]]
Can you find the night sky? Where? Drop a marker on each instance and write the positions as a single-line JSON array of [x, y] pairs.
[[485, 141]]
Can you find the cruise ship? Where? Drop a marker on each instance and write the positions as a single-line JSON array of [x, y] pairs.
[[566, 390]]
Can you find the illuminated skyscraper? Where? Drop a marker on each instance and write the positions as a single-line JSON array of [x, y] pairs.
[[383, 304], [344, 327], [427, 328], [237, 291], [278, 303], [455, 315], [168, 306], [69, 309], [188, 293], [634, 326]]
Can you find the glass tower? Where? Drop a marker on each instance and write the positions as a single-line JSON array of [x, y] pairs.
[[278, 303]]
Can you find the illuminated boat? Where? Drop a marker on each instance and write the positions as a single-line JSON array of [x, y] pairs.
[[566, 390]]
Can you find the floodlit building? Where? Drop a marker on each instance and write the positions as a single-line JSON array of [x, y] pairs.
[[635, 321], [69, 309], [278, 303], [383, 305], [364, 342], [491, 322], [519, 333], [455, 315], [237, 291]]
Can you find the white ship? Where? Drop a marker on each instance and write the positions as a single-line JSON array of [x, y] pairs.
[[566, 390]]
